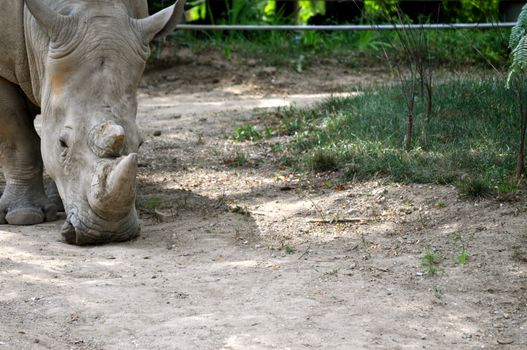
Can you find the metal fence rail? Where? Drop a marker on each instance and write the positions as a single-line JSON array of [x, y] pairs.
[[344, 27]]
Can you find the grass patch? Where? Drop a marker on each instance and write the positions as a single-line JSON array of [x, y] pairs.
[[473, 187], [469, 141], [323, 160]]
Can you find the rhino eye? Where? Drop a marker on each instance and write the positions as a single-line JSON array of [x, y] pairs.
[[63, 143]]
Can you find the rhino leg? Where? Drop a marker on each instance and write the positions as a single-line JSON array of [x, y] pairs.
[[23, 201], [54, 196]]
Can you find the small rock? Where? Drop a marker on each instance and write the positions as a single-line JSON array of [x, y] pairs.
[[185, 55], [269, 70]]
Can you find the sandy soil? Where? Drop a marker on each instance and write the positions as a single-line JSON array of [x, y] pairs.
[[255, 257]]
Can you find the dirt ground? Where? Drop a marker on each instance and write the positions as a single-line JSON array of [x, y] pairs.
[[255, 257]]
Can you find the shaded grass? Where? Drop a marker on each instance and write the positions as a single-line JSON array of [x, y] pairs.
[[356, 49], [470, 139]]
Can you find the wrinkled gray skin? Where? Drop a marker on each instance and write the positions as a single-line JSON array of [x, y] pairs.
[[79, 62]]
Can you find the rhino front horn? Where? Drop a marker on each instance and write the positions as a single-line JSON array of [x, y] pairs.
[[52, 22], [112, 193]]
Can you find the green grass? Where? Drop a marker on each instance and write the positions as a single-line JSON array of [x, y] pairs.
[[470, 139], [298, 51]]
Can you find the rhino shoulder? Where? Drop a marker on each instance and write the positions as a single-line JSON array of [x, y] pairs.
[[11, 39]]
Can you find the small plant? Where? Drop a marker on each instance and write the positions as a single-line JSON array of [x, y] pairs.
[[246, 133], [473, 187], [438, 293], [268, 133], [151, 203], [277, 148], [459, 242], [414, 71], [439, 204], [430, 261], [243, 210], [239, 160], [333, 272], [463, 257], [518, 254], [299, 64], [289, 250]]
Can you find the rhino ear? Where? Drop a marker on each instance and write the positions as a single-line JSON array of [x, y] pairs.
[[52, 22], [162, 23]]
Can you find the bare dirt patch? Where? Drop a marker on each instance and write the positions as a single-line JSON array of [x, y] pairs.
[[253, 257]]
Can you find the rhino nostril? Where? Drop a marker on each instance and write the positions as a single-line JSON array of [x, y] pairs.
[[68, 233]]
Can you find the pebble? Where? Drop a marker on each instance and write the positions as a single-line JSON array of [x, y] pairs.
[[269, 70]]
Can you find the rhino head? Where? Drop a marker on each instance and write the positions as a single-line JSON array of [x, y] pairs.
[[94, 58]]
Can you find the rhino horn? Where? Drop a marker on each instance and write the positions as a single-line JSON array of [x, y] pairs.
[[112, 192], [51, 21], [162, 23], [107, 140]]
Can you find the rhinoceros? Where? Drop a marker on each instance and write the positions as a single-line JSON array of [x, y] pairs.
[[78, 63]]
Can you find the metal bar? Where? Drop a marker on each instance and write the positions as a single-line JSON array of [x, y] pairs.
[[344, 27]]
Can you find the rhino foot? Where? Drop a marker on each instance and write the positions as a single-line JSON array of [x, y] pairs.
[[20, 211]]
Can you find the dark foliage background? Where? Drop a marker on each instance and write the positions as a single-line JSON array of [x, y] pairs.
[[351, 11]]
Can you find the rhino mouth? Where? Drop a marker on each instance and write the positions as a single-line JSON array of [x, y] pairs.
[[93, 230]]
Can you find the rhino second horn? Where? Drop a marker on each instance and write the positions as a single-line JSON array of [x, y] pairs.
[[107, 140], [112, 193], [162, 23], [52, 22]]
